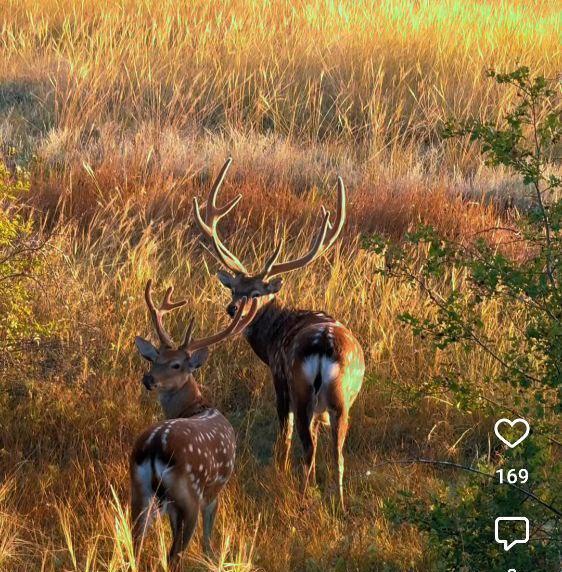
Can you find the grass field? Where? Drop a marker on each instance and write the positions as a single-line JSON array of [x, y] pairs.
[[119, 113]]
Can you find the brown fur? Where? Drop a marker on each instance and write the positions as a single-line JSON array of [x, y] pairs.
[[316, 364], [180, 466], [284, 339]]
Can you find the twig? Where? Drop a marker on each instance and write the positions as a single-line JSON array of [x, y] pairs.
[[451, 465], [494, 228]]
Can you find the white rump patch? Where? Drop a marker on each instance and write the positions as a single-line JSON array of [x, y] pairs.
[[310, 367], [329, 369], [160, 470], [143, 476]]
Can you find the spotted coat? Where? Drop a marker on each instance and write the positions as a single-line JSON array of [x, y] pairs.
[[317, 368], [284, 339], [201, 448]]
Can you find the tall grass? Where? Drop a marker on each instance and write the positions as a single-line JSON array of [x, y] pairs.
[[72, 409], [380, 73], [145, 91], [122, 111], [10, 540]]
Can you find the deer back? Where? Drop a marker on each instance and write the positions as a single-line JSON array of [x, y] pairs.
[[199, 451]]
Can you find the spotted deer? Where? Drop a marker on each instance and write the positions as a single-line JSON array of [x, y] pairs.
[[179, 466], [316, 363]]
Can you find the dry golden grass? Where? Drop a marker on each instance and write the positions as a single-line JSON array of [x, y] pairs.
[[82, 403], [350, 72], [144, 95], [122, 111]]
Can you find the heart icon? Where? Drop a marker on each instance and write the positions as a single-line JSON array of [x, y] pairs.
[[511, 424]]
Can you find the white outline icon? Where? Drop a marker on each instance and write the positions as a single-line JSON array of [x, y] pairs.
[[511, 424], [506, 544]]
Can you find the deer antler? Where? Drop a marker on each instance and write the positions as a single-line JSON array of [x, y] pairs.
[[238, 324], [213, 214], [157, 313], [327, 235]]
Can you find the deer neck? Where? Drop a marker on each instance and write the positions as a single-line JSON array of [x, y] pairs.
[[267, 328], [183, 402]]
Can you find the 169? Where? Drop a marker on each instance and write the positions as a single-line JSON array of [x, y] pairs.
[[513, 476]]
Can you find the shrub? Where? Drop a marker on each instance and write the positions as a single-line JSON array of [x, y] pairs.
[[20, 250], [517, 270]]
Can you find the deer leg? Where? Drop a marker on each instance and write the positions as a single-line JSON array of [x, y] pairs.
[[338, 422], [183, 520], [209, 514], [141, 516], [288, 440], [315, 426], [304, 418], [285, 421]]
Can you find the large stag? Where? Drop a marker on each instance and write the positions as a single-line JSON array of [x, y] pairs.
[[316, 363]]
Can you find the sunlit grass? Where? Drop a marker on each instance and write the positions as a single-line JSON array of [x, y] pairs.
[[377, 77], [122, 111], [10, 540], [84, 404]]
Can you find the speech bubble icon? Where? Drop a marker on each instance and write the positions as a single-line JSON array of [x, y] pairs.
[[509, 543]]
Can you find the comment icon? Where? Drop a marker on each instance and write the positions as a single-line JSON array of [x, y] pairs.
[[511, 530]]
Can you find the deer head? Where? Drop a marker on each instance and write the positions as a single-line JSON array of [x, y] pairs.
[[171, 367], [266, 283]]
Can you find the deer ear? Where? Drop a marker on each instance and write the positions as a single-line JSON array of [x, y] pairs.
[[274, 286], [146, 349], [198, 358], [225, 278]]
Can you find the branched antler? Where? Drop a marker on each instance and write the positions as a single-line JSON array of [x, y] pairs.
[[213, 214], [157, 313], [327, 235], [235, 327]]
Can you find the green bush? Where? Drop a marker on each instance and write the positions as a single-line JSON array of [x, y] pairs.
[[521, 275], [459, 519], [20, 250]]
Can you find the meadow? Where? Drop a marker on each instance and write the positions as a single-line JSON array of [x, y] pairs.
[[113, 116]]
